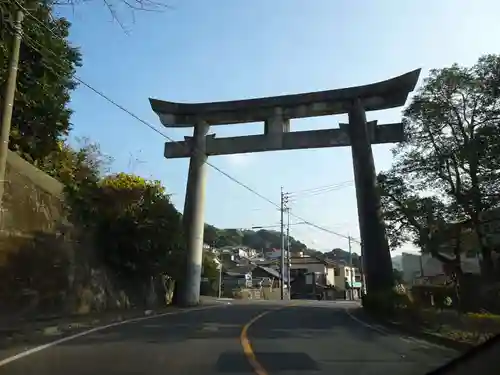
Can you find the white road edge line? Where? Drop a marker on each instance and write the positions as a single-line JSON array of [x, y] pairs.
[[408, 339], [96, 329], [372, 327]]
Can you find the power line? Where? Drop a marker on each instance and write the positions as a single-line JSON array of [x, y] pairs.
[[310, 224], [150, 126], [273, 225], [325, 229], [321, 188], [130, 113], [321, 191]]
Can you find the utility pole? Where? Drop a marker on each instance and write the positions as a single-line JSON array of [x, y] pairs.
[[288, 260], [219, 259], [351, 294], [362, 270], [219, 292], [282, 238], [421, 265], [8, 104]]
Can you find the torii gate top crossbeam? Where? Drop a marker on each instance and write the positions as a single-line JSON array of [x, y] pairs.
[[376, 96]]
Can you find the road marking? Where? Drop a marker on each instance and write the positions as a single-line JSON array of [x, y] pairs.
[[247, 345], [384, 331], [363, 323], [96, 329]]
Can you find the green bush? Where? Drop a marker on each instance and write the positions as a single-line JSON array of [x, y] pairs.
[[386, 303], [434, 296]]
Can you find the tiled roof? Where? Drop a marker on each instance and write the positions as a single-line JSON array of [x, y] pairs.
[[272, 272], [241, 270], [312, 260]]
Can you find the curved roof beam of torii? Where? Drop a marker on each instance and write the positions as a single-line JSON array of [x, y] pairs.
[[376, 96]]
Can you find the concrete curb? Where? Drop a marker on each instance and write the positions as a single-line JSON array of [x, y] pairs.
[[60, 325], [49, 328], [436, 339], [433, 338]]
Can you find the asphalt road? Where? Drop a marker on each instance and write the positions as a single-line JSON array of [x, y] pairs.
[[238, 338]]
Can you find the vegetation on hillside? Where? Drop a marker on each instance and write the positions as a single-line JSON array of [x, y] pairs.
[[337, 255], [259, 240], [135, 228], [264, 239]]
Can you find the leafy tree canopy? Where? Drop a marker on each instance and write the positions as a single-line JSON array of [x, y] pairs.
[[138, 230], [76, 167], [446, 172], [41, 116]]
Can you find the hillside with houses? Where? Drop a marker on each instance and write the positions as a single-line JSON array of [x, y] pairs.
[[252, 259]]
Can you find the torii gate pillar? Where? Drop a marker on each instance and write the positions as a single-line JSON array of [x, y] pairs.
[[194, 216], [371, 225]]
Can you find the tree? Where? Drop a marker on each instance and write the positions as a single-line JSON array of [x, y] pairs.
[[447, 169], [41, 116], [261, 239], [338, 254], [398, 276], [210, 235], [426, 222], [76, 167], [116, 8], [210, 269], [138, 230]]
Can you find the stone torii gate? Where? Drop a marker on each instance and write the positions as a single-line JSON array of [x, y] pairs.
[[276, 113]]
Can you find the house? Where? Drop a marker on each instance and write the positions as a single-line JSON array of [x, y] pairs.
[[349, 278], [307, 286], [236, 276], [266, 277], [416, 266], [303, 264], [249, 275], [273, 254], [328, 274], [271, 263], [237, 252]]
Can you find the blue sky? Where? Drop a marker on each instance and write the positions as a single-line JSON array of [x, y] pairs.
[[215, 50]]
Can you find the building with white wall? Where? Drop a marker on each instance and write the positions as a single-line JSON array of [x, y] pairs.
[[306, 264], [416, 265]]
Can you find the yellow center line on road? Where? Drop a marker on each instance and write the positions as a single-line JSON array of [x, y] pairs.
[[247, 345]]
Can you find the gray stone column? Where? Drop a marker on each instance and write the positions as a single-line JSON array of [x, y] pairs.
[[194, 216], [376, 254]]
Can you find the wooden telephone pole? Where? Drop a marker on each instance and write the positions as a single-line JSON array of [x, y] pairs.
[[8, 103]]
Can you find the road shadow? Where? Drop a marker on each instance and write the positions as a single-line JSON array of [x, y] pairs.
[[222, 323], [221, 327], [313, 326], [230, 362], [175, 327]]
